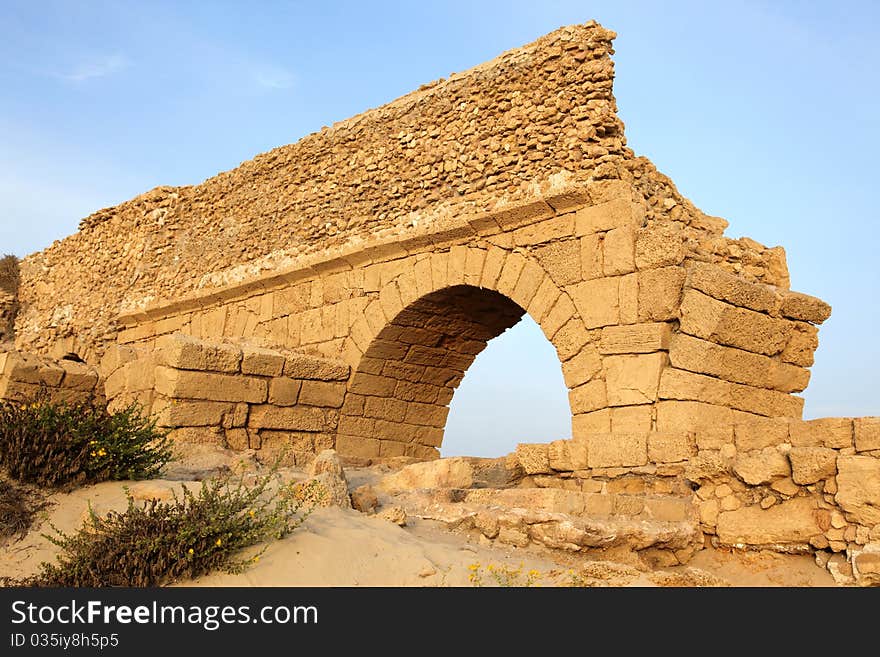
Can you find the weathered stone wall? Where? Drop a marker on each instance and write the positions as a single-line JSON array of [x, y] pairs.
[[8, 311], [648, 336], [776, 483], [501, 133], [235, 395], [23, 376]]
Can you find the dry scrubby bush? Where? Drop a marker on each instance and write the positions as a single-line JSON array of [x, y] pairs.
[[18, 505], [158, 543], [61, 444], [9, 274]]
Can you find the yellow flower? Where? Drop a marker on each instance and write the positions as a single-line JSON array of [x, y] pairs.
[[219, 542], [251, 513], [534, 573], [475, 566], [93, 454], [256, 558], [190, 552]]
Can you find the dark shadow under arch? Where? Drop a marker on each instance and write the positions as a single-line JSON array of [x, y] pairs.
[[398, 397]]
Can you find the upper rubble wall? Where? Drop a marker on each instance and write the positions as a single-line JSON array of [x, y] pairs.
[[499, 134]]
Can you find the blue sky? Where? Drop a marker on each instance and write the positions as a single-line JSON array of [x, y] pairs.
[[763, 113]]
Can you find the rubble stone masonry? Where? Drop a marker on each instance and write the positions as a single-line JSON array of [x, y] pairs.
[[497, 134]]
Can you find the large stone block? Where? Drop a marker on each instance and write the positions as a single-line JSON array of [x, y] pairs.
[[22, 367], [198, 435], [633, 378], [533, 457], [570, 339], [803, 340], [670, 447], [631, 419], [717, 321], [322, 393], [597, 302], [761, 432], [582, 367], [290, 418], [430, 415], [567, 455], [761, 466], [617, 450], [591, 257], [812, 464], [725, 286], [804, 307], [713, 424], [660, 245], [301, 366], [178, 413], [444, 473], [834, 432], [660, 293], [792, 522], [373, 385], [609, 215], [558, 227], [185, 352], [628, 292], [737, 365], [264, 362], [186, 384], [618, 252], [585, 423], [561, 260], [560, 314], [357, 446], [284, 391], [635, 338], [115, 356], [683, 385], [858, 488], [866, 431], [590, 396], [78, 376]]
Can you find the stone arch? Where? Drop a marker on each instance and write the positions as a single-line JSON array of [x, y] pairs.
[[416, 339]]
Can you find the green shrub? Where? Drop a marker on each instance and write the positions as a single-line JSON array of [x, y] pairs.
[[18, 505], [63, 444], [158, 543]]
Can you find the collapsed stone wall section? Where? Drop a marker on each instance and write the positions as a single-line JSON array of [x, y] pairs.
[[239, 396], [777, 483], [25, 376]]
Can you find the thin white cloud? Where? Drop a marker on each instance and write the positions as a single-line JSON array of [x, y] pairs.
[[97, 69], [274, 77]]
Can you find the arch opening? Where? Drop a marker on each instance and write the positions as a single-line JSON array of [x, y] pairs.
[[514, 392], [398, 399]]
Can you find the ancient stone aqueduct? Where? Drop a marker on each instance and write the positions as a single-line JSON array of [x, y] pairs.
[[332, 293]]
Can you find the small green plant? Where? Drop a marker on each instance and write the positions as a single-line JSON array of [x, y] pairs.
[[506, 576], [18, 506], [157, 543], [64, 444]]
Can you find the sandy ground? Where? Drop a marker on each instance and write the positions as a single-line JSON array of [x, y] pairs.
[[341, 547]]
